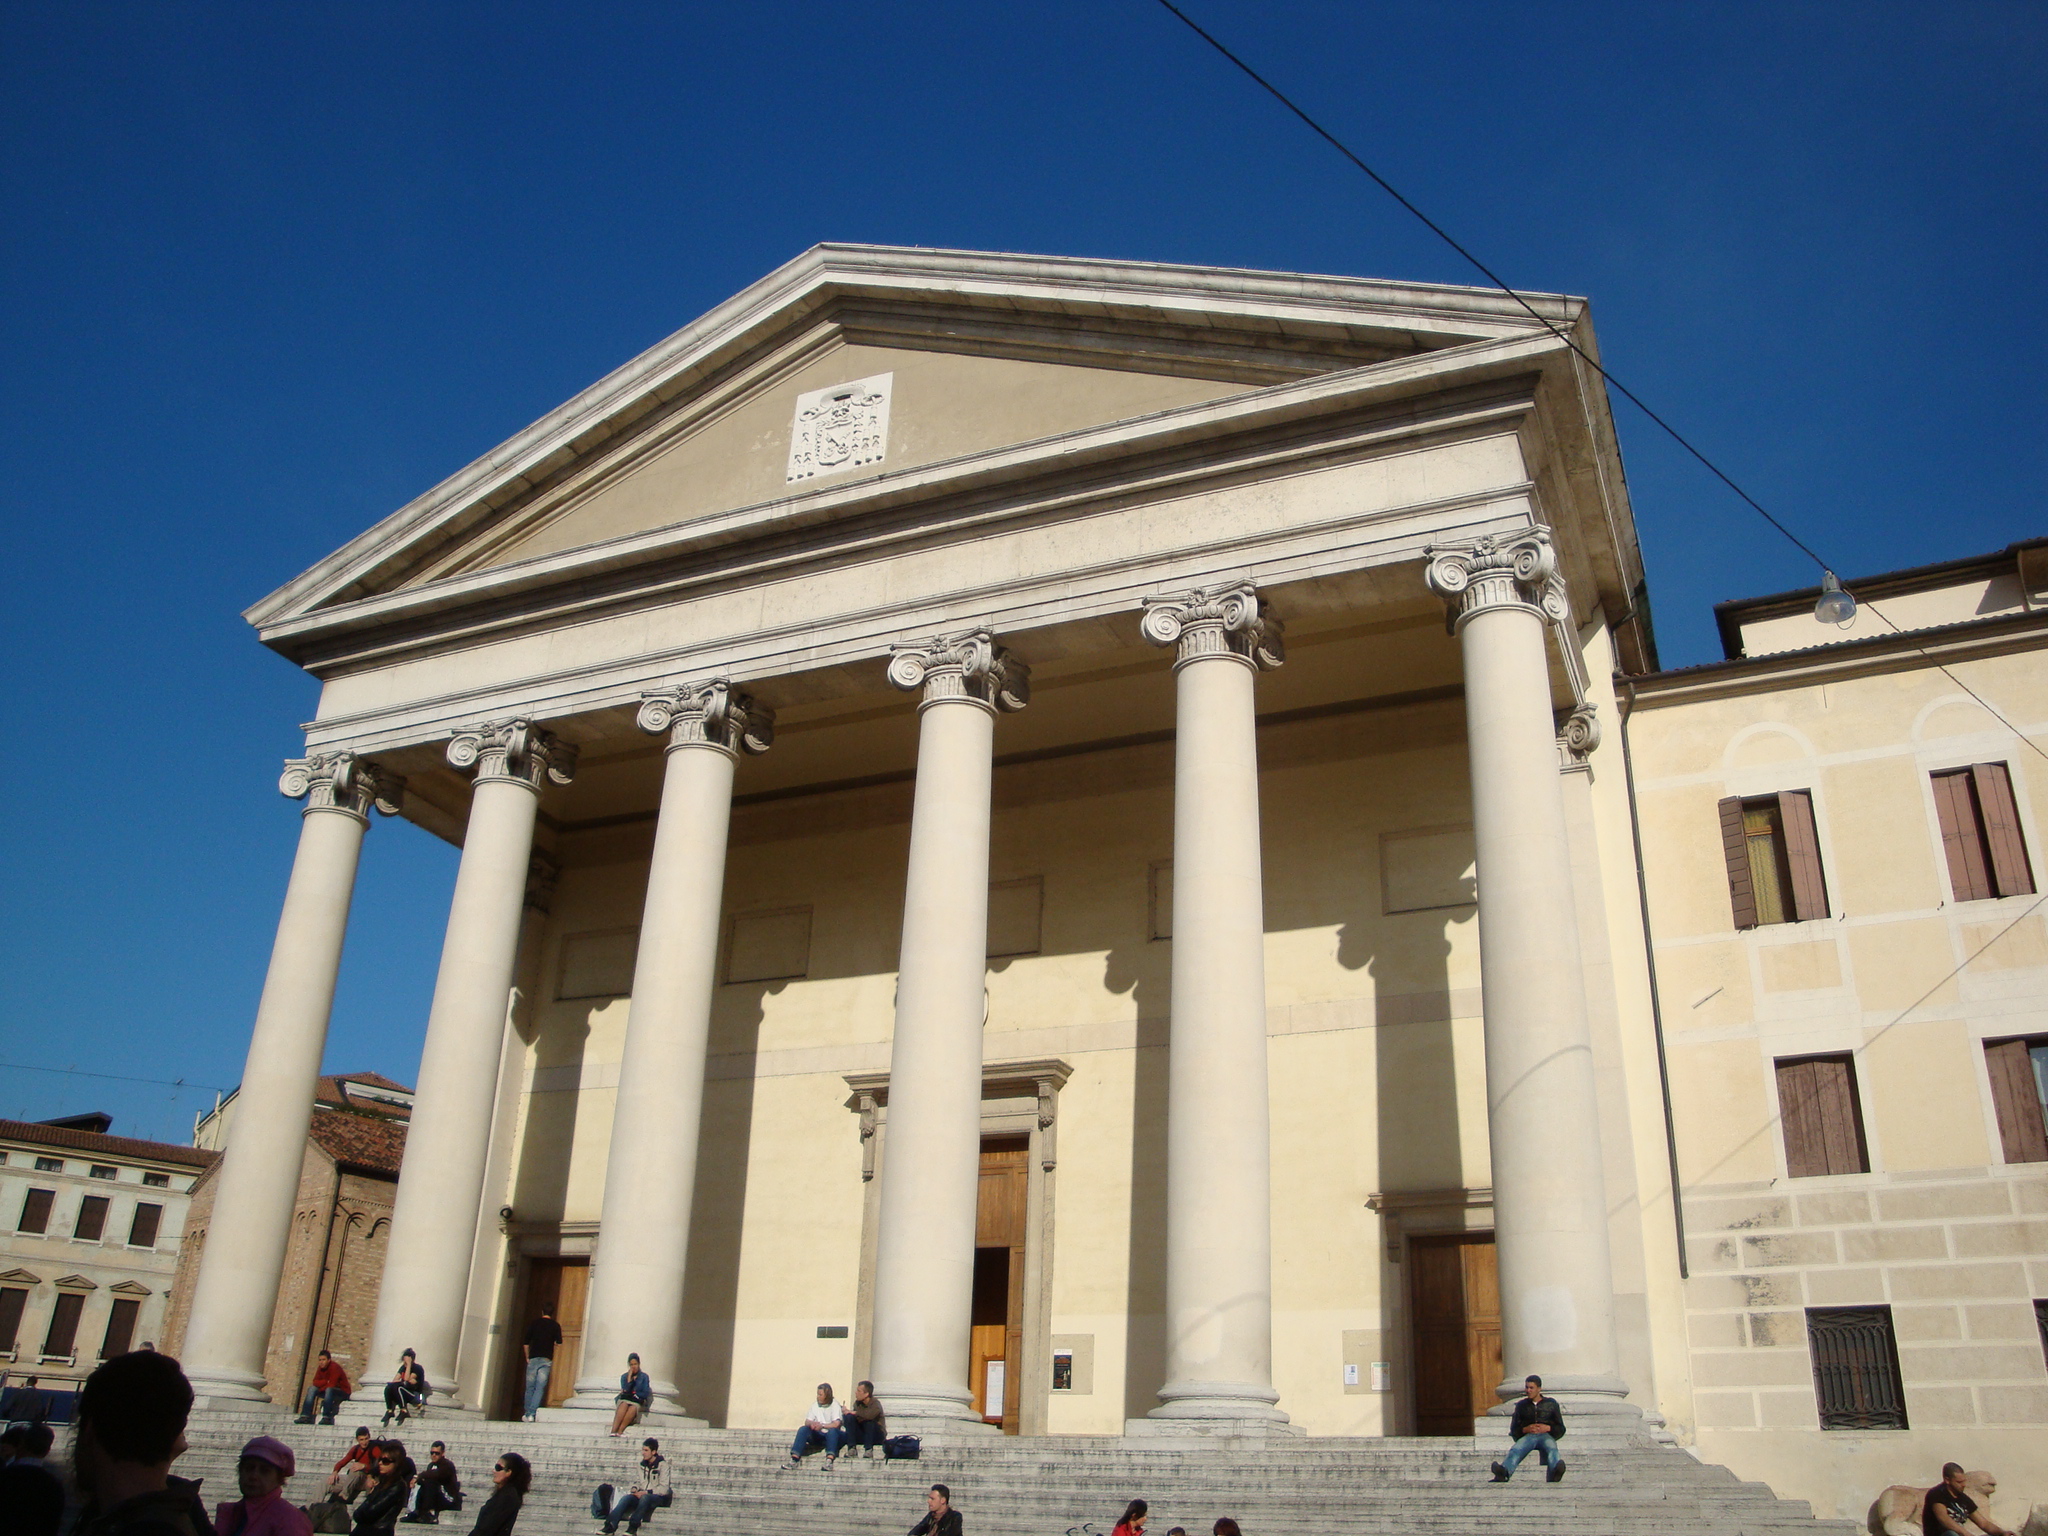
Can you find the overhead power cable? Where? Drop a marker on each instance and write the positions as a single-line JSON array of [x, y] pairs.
[[1592, 362]]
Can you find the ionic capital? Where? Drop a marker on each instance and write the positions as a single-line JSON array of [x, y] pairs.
[[1229, 621], [1519, 572], [713, 714], [1578, 738], [341, 781], [517, 751], [969, 668]]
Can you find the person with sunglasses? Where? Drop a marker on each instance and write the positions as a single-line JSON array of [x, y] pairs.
[[385, 1501], [510, 1479]]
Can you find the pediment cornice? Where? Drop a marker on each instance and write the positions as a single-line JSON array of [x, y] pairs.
[[1263, 325]]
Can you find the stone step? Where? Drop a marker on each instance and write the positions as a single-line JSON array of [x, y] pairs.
[[1054, 1485]]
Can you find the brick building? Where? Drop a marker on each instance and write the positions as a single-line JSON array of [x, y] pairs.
[[340, 1222]]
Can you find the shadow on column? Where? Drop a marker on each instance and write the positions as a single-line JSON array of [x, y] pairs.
[[711, 1275], [1145, 971], [540, 1184]]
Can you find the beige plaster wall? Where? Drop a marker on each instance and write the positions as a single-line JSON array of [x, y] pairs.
[[942, 405], [1908, 981]]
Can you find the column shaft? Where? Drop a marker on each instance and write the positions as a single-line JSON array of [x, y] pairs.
[[1549, 1190], [1219, 1270], [433, 1220], [243, 1261], [636, 1297], [931, 1173]]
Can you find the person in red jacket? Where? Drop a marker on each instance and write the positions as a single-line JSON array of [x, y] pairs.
[[330, 1389]]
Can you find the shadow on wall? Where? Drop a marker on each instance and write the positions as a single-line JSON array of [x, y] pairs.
[[711, 1275], [1145, 972]]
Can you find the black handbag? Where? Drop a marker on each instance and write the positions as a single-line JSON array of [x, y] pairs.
[[900, 1448]]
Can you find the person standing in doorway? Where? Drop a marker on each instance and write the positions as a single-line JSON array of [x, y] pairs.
[[542, 1335], [1537, 1426]]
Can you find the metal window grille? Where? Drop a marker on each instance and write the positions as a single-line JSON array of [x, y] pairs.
[[1855, 1368]]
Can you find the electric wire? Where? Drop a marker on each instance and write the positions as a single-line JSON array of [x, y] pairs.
[[1592, 362]]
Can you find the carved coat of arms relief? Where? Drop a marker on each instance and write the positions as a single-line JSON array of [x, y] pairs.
[[841, 427]]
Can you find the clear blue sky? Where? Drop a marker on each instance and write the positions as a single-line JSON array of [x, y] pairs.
[[272, 270]]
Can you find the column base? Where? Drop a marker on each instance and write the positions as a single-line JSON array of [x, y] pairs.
[[661, 1421], [1227, 1409], [936, 1414], [223, 1386], [1596, 1410], [1165, 1434]]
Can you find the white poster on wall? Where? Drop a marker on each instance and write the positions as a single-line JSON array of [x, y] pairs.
[[992, 1390]]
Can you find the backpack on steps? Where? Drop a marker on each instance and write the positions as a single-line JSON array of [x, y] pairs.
[[330, 1515], [900, 1448]]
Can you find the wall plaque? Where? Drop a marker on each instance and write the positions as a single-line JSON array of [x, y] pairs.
[[843, 427]]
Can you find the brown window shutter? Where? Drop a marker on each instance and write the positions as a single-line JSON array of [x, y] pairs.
[[1962, 842], [142, 1231], [1802, 852], [1735, 846], [1799, 1109], [2021, 1134], [1822, 1117], [2009, 865]]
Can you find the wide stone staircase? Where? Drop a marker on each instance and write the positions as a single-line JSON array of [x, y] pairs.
[[728, 1480]]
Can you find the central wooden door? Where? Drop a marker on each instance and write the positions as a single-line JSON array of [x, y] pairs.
[[562, 1286], [996, 1350], [1454, 1309]]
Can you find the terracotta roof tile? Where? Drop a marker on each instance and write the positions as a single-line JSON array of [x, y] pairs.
[[108, 1146], [360, 1141]]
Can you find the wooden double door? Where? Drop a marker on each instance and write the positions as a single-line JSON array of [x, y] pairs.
[[1454, 1311], [994, 1367], [560, 1286]]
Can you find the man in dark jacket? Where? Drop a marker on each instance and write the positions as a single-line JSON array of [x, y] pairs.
[[941, 1518], [131, 1426], [864, 1422], [440, 1487], [1537, 1426]]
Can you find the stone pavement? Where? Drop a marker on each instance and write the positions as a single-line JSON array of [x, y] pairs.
[[728, 1480]]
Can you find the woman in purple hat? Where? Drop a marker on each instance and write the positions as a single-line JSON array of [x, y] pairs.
[[265, 1465]]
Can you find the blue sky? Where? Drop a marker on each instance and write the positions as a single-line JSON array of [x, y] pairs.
[[273, 270]]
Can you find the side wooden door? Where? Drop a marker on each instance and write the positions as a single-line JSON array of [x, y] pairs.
[[995, 1361], [563, 1287], [1454, 1311]]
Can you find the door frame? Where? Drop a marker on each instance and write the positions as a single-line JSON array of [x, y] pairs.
[[528, 1241], [1018, 1098], [1406, 1214]]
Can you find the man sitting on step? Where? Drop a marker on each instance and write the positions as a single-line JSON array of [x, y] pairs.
[[650, 1491], [1537, 1426]]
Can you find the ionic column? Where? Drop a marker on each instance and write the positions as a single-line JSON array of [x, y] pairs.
[[924, 1260], [1549, 1196], [636, 1294], [1219, 1267], [243, 1261], [447, 1143]]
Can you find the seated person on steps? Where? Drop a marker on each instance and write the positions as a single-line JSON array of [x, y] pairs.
[[650, 1491], [1536, 1426], [865, 1424], [823, 1428], [636, 1396]]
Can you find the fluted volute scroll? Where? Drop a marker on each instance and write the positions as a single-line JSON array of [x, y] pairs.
[[1578, 736], [969, 666], [517, 750], [341, 781], [713, 714], [1230, 620]]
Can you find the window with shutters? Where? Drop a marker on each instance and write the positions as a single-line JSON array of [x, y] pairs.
[[1773, 852], [1822, 1116], [1980, 833], [2019, 1094], [142, 1231], [1855, 1368], [120, 1327], [92, 1219], [13, 1302], [35, 1211], [63, 1335]]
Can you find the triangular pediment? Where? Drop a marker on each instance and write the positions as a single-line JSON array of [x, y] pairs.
[[76, 1283], [20, 1277], [128, 1288], [976, 353]]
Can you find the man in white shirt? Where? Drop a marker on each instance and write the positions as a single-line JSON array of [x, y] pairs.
[[821, 1429]]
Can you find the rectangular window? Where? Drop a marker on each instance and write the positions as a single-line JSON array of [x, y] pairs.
[[142, 1231], [2019, 1093], [1773, 855], [102, 1171], [35, 1211], [157, 1180], [120, 1327], [1855, 1368], [1822, 1117], [1980, 833], [12, 1303], [2041, 1323], [92, 1219], [49, 1165], [63, 1335]]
